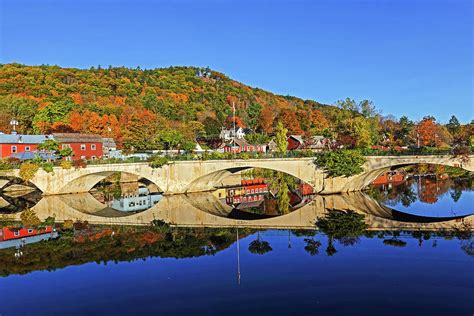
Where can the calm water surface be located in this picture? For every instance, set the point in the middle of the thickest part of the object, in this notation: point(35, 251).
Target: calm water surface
point(120, 270)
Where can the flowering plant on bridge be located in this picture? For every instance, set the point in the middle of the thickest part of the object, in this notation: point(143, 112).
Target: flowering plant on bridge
point(28, 170)
point(341, 162)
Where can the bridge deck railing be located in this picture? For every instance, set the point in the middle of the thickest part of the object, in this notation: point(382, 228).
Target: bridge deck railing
point(5, 165)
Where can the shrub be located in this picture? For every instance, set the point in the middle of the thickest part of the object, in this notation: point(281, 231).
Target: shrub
point(158, 161)
point(48, 167)
point(81, 163)
point(5, 165)
point(65, 164)
point(68, 224)
point(28, 170)
point(49, 221)
point(29, 218)
point(244, 156)
point(341, 162)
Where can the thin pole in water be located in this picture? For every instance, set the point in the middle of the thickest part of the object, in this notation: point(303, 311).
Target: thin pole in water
point(238, 258)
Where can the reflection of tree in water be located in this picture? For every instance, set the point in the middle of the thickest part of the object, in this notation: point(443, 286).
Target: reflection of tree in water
point(282, 195)
point(395, 241)
point(468, 247)
point(343, 226)
point(278, 182)
point(403, 193)
point(312, 246)
point(259, 246)
point(426, 189)
point(123, 243)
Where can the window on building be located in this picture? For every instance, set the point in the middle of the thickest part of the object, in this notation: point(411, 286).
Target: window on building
point(30, 231)
point(83, 146)
point(261, 190)
point(14, 149)
point(16, 233)
point(253, 191)
point(93, 157)
point(27, 148)
point(64, 146)
point(93, 147)
point(83, 157)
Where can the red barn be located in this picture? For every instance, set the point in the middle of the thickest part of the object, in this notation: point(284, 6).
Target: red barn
point(16, 143)
point(295, 142)
point(84, 146)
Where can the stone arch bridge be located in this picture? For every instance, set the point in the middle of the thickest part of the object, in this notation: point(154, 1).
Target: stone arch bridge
point(199, 176)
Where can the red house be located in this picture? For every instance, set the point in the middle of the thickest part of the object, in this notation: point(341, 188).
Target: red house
point(84, 146)
point(240, 145)
point(16, 143)
point(7, 233)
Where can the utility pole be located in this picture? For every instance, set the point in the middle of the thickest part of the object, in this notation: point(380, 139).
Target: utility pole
point(233, 135)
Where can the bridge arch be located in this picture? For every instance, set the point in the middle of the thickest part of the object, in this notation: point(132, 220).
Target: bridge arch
point(215, 178)
point(379, 165)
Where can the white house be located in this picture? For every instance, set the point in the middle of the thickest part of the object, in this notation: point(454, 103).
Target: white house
point(228, 134)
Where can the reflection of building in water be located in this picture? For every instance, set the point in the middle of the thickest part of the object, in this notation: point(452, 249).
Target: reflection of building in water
point(248, 191)
point(138, 200)
point(391, 177)
point(15, 237)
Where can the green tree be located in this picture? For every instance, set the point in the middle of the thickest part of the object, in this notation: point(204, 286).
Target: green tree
point(53, 112)
point(253, 111)
point(362, 132)
point(49, 145)
point(281, 139)
point(340, 162)
point(171, 138)
point(453, 125)
point(257, 138)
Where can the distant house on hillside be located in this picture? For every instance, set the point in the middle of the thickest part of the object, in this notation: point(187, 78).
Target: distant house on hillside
point(314, 143)
point(228, 134)
point(84, 146)
point(272, 146)
point(108, 145)
point(241, 145)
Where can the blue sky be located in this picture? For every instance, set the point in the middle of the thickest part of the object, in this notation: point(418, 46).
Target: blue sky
point(410, 57)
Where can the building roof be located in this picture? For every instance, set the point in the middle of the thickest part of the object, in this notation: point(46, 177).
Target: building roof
point(77, 138)
point(109, 142)
point(23, 139)
point(298, 138)
point(240, 142)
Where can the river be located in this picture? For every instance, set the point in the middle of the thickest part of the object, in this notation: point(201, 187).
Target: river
point(393, 250)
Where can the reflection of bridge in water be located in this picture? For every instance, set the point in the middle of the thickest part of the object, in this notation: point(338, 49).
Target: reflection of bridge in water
point(205, 210)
